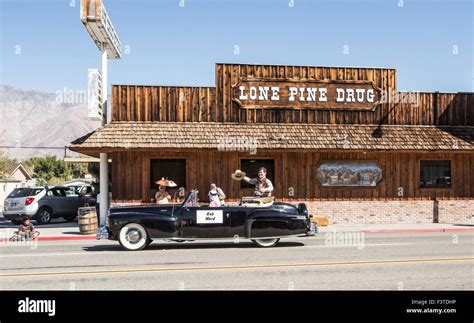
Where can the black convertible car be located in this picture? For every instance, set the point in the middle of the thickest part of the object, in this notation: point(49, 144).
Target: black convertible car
point(260, 219)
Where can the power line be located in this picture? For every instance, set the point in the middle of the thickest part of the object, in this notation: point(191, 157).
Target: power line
point(32, 147)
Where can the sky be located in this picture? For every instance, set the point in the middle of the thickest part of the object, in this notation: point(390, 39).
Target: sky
point(45, 47)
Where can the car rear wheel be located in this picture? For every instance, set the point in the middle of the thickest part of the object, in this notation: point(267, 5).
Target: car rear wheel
point(133, 236)
point(266, 243)
point(44, 215)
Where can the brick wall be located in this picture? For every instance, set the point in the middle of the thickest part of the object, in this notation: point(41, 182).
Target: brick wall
point(456, 211)
point(366, 212)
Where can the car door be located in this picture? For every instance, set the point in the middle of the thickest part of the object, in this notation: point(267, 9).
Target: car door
point(56, 198)
point(74, 201)
point(205, 222)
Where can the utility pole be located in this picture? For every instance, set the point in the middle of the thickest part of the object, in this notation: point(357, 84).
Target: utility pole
point(100, 28)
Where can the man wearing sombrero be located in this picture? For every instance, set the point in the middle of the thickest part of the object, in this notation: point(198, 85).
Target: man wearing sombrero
point(263, 186)
point(162, 196)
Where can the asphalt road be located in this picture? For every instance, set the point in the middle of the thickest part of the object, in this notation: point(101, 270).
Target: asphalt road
point(435, 261)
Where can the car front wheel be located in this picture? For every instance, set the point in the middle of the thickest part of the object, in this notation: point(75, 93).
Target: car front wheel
point(266, 243)
point(133, 236)
point(44, 215)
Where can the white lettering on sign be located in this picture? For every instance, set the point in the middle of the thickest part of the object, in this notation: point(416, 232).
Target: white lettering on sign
point(242, 96)
point(293, 91)
point(275, 93)
point(323, 94)
point(350, 95)
point(304, 94)
point(370, 95)
point(209, 216)
point(340, 95)
point(263, 92)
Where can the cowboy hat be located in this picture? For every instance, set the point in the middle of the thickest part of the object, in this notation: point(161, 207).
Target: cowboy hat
point(238, 175)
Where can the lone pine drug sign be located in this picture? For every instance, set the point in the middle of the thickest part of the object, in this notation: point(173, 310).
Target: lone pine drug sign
point(305, 94)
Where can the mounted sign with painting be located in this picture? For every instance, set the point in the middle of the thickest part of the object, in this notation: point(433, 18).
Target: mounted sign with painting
point(305, 94)
point(349, 174)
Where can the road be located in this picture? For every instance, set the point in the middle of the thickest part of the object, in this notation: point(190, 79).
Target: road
point(421, 261)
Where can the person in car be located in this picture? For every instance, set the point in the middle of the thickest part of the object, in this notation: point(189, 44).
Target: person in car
point(162, 196)
point(27, 229)
point(263, 186)
point(216, 196)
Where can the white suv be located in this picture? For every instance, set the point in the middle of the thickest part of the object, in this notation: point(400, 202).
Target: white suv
point(23, 201)
point(45, 203)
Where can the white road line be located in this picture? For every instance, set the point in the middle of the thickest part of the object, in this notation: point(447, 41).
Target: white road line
point(118, 252)
point(363, 245)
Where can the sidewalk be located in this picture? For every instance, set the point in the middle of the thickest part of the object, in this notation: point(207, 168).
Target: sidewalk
point(66, 231)
point(398, 228)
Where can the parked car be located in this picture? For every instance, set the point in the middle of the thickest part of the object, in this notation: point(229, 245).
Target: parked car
point(135, 226)
point(81, 190)
point(44, 203)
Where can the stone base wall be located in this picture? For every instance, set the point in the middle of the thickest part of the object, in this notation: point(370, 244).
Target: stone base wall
point(456, 211)
point(387, 212)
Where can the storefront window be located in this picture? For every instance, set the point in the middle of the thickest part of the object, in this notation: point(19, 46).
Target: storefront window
point(173, 169)
point(251, 166)
point(349, 174)
point(435, 173)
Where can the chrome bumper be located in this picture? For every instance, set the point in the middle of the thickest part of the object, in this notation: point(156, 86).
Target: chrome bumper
point(102, 233)
point(313, 229)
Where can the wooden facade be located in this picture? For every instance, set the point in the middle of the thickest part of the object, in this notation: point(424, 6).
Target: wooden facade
point(400, 177)
point(293, 169)
point(208, 104)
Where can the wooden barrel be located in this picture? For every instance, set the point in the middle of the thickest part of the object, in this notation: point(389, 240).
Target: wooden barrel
point(87, 219)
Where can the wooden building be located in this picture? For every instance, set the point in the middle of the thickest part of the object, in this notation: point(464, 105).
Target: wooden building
point(340, 138)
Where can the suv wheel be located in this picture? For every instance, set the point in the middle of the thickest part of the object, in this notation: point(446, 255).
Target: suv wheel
point(44, 215)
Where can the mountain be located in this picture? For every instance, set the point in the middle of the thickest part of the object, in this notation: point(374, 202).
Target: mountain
point(40, 119)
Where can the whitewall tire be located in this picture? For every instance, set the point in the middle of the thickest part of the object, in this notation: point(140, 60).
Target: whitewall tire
point(266, 243)
point(133, 236)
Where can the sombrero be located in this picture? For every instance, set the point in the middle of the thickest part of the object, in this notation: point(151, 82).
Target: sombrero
point(166, 182)
point(238, 175)
point(171, 183)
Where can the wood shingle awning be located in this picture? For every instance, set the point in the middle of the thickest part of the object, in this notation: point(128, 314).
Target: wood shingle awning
point(119, 136)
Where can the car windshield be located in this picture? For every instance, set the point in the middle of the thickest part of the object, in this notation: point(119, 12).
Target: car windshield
point(192, 199)
point(19, 192)
point(72, 191)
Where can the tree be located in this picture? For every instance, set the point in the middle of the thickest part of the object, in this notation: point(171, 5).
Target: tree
point(5, 162)
point(50, 169)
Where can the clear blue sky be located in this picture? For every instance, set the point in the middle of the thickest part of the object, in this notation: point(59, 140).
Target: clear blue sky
point(174, 45)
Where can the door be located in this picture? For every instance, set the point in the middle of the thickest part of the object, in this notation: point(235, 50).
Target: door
point(75, 200)
point(205, 222)
point(57, 199)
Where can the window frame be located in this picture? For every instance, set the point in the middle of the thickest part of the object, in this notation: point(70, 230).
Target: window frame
point(450, 187)
point(153, 186)
point(252, 176)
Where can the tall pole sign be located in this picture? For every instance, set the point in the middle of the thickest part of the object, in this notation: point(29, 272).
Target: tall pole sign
point(99, 26)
